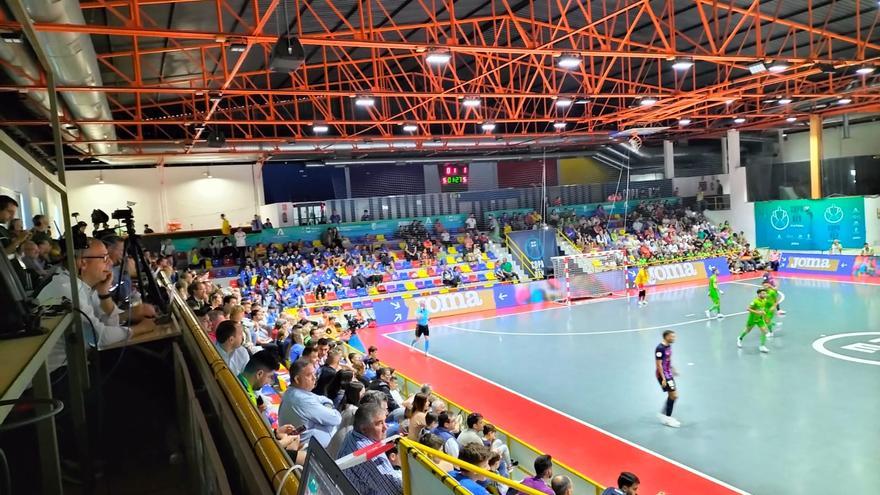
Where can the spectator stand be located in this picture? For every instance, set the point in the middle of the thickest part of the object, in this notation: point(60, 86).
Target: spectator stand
point(522, 260)
point(523, 452)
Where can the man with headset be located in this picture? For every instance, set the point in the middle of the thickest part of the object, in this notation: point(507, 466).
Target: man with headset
point(101, 324)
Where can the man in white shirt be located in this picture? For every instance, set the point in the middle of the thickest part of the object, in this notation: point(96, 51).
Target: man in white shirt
point(301, 407)
point(230, 337)
point(471, 222)
point(240, 242)
point(101, 325)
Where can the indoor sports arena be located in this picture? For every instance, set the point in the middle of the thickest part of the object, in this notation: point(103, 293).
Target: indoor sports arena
point(437, 247)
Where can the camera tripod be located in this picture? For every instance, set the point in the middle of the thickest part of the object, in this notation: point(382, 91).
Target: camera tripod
point(133, 248)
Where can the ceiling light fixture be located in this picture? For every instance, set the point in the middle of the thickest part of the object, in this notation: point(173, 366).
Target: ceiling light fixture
point(364, 101)
point(237, 47)
point(739, 120)
point(682, 63)
point(488, 126)
point(791, 120)
point(865, 70)
point(647, 101)
point(569, 61)
point(757, 68)
point(684, 122)
point(319, 128)
point(777, 67)
point(559, 125)
point(844, 101)
point(438, 57)
point(410, 127)
point(563, 102)
point(471, 101)
point(784, 101)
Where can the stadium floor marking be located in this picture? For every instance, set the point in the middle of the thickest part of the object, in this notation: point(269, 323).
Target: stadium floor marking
point(582, 422)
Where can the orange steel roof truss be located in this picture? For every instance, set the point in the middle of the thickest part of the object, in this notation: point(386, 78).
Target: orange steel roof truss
point(504, 53)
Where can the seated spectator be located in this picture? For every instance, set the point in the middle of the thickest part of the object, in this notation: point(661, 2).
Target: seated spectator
point(627, 484)
point(382, 383)
point(496, 445)
point(478, 455)
point(355, 396)
point(198, 296)
point(327, 373)
point(257, 373)
point(376, 476)
point(504, 271)
point(394, 384)
point(474, 431)
point(433, 441)
point(561, 485)
point(446, 431)
point(543, 473)
point(230, 338)
point(867, 250)
point(451, 276)
point(301, 407)
point(418, 416)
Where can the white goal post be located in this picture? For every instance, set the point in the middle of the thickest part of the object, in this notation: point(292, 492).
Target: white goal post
point(591, 274)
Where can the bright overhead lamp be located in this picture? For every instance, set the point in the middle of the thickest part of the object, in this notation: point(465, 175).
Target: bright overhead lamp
point(559, 125)
point(791, 120)
point(757, 68)
point(488, 126)
point(471, 101)
point(784, 101)
point(739, 120)
point(865, 70)
point(569, 61)
point(320, 128)
point(844, 101)
point(563, 102)
point(647, 101)
point(682, 63)
point(777, 67)
point(237, 47)
point(683, 122)
point(582, 101)
point(410, 127)
point(364, 101)
point(438, 57)
point(729, 102)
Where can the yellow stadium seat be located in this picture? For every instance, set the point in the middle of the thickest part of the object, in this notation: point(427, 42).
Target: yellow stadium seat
point(380, 237)
point(406, 295)
point(372, 291)
point(444, 291)
point(422, 273)
point(490, 265)
point(485, 257)
point(410, 285)
point(450, 259)
point(465, 268)
point(452, 250)
point(490, 275)
point(316, 243)
point(401, 245)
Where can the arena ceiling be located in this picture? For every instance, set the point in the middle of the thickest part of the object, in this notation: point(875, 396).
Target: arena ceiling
point(410, 78)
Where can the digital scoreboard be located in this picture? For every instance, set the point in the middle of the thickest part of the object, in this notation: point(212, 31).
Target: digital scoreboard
point(453, 177)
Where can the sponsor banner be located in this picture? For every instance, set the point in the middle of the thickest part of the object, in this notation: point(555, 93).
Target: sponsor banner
point(810, 224)
point(688, 271)
point(538, 245)
point(827, 264)
point(445, 304)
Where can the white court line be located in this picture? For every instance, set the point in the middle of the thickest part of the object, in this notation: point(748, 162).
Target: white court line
point(584, 423)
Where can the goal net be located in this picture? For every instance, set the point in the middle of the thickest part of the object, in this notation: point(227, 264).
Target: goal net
point(591, 274)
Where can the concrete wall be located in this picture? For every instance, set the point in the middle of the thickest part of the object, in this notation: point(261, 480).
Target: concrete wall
point(688, 186)
point(584, 170)
point(742, 213)
point(872, 220)
point(32, 195)
point(166, 194)
point(863, 141)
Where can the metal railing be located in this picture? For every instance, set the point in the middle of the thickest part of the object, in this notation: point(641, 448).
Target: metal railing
point(522, 259)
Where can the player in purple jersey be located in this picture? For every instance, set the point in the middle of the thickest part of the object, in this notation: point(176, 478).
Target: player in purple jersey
point(666, 377)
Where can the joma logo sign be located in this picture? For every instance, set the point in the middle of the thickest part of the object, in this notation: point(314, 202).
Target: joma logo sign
point(672, 272)
point(824, 264)
point(452, 302)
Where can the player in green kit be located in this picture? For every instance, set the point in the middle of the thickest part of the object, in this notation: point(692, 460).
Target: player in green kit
point(770, 307)
point(714, 295)
point(756, 319)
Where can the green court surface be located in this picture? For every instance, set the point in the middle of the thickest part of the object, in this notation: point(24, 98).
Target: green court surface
point(802, 419)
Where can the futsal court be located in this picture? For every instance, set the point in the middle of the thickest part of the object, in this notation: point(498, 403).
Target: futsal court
point(795, 420)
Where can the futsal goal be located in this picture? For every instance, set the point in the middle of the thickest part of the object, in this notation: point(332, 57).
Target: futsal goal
point(590, 275)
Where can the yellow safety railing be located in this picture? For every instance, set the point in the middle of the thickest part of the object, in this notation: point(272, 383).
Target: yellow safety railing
point(272, 458)
point(423, 453)
point(518, 447)
point(521, 258)
point(568, 241)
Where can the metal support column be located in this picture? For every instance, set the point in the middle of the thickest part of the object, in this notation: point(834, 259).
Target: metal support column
point(816, 153)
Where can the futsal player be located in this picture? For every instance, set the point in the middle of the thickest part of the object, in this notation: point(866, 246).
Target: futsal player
point(714, 295)
point(641, 281)
point(422, 327)
point(768, 278)
point(666, 377)
point(770, 306)
point(756, 319)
